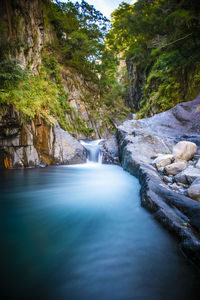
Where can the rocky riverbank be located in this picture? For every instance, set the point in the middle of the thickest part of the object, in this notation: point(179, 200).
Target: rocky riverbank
point(165, 189)
point(35, 143)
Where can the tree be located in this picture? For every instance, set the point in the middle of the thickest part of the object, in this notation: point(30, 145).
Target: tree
point(161, 38)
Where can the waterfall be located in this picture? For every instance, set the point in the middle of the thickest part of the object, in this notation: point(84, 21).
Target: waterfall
point(94, 150)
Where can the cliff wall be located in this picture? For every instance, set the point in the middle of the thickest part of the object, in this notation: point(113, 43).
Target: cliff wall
point(53, 91)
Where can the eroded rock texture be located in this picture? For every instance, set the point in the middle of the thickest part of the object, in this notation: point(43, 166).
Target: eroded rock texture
point(34, 143)
point(25, 30)
point(139, 142)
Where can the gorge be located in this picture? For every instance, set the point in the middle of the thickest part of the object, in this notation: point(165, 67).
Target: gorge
point(91, 116)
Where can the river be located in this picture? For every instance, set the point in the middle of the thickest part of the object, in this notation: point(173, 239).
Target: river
point(79, 232)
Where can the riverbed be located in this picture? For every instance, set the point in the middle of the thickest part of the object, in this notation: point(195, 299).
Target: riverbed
point(79, 232)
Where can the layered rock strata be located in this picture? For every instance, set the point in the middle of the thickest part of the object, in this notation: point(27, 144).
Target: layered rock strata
point(35, 143)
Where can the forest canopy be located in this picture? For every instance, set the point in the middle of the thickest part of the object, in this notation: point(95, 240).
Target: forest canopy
point(80, 30)
point(161, 39)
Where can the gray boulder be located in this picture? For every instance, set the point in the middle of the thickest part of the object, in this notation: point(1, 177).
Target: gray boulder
point(184, 150)
point(188, 175)
point(194, 190)
point(66, 149)
point(110, 152)
point(162, 160)
point(35, 143)
point(175, 168)
point(168, 179)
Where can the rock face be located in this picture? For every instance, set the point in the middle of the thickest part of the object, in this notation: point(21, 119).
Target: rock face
point(35, 143)
point(136, 78)
point(184, 150)
point(110, 153)
point(139, 141)
point(28, 36)
point(194, 190)
point(25, 27)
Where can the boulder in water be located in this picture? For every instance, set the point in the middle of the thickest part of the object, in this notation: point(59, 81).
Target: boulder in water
point(110, 153)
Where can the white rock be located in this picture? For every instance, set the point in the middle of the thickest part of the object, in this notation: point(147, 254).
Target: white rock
point(175, 168)
point(184, 150)
point(162, 161)
point(32, 156)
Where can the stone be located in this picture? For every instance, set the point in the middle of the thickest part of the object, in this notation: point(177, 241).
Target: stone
point(196, 181)
point(184, 150)
point(197, 164)
point(188, 175)
point(162, 161)
point(110, 152)
point(66, 149)
point(38, 143)
point(175, 168)
point(161, 170)
point(174, 187)
point(167, 179)
point(158, 134)
point(194, 190)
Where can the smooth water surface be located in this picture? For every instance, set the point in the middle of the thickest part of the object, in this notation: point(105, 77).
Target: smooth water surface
point(79, 232)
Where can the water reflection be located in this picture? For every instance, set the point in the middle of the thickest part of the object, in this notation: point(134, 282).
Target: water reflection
point(79, 232)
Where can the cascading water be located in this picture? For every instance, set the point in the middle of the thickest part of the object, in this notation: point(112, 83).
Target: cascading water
point(94, 150)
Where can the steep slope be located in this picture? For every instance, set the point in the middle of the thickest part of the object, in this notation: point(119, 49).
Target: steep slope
point(38, 84)
point(160, 43)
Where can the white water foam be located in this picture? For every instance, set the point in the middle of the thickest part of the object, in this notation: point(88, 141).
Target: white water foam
point(94, 150)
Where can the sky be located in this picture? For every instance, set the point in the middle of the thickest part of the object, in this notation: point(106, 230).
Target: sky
point(106, 7)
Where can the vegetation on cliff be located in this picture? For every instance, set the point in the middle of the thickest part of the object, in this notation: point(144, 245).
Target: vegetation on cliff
point(74, 43)
point(161, 39)
point(158, 39)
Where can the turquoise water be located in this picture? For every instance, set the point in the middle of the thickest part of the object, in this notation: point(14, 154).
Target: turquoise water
point(79, 232)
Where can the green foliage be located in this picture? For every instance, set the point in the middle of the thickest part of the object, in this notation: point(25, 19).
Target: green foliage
point(80, 30)
point(33, 94)
point(163, 39)
point(9, 47)
point(10, 74)
point(76, 43)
